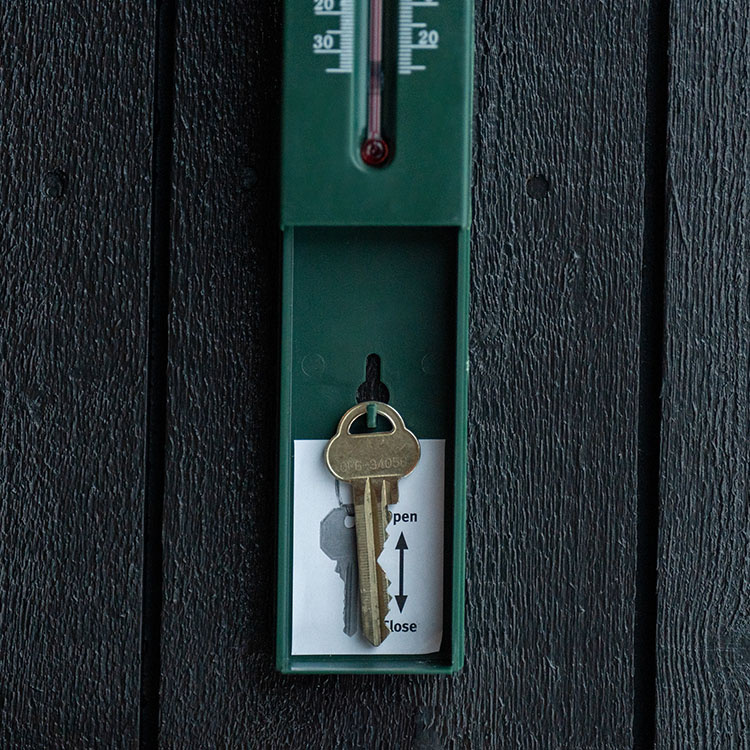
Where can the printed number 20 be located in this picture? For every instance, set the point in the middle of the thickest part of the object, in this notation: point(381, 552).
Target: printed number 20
point(428, 38)
point(323, 5)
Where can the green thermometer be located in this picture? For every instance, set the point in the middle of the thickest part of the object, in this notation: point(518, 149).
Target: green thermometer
point(375, 212)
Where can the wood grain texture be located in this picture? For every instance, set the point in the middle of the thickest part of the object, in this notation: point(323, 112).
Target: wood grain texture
point(703, 699)
point(76, 88)
point(556, 276)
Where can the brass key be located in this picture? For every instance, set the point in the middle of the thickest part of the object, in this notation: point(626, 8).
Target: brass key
point(372, 462)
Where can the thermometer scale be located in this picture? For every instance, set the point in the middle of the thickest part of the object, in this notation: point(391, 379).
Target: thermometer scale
point(334, 33)
point(375, 214)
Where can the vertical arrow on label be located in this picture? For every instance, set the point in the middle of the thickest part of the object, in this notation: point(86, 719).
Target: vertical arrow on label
point(401, 545)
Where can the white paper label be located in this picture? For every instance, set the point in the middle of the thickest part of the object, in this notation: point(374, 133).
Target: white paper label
point(415, 570)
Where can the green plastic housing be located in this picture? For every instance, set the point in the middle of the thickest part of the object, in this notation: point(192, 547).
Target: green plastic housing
point(376, 260)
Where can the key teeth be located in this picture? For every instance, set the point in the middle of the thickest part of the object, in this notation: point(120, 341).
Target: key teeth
point(389, 598)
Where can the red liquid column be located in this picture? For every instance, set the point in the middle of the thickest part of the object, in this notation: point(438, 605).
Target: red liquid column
point(374, 148)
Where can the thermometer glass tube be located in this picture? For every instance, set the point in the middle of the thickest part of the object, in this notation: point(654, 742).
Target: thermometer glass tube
point(375, 148)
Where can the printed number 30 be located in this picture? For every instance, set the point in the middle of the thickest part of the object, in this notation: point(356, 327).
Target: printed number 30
point(322, 41)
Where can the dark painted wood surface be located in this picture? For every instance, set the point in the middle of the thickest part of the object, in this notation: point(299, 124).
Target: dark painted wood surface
point(560, 111)
point(556, 278)
point(75, 143)
point(704, 563)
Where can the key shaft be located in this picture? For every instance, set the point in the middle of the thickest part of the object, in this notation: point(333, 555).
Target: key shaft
point(351, 599)
point(369, 520)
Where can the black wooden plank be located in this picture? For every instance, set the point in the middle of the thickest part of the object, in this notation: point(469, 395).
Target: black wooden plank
point(557, 254)
point(704, 565)
point(75, 140)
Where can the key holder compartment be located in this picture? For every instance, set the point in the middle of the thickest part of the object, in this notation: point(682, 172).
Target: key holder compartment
point(376, 261)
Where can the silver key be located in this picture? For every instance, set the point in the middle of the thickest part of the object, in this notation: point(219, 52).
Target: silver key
point(338, 541)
